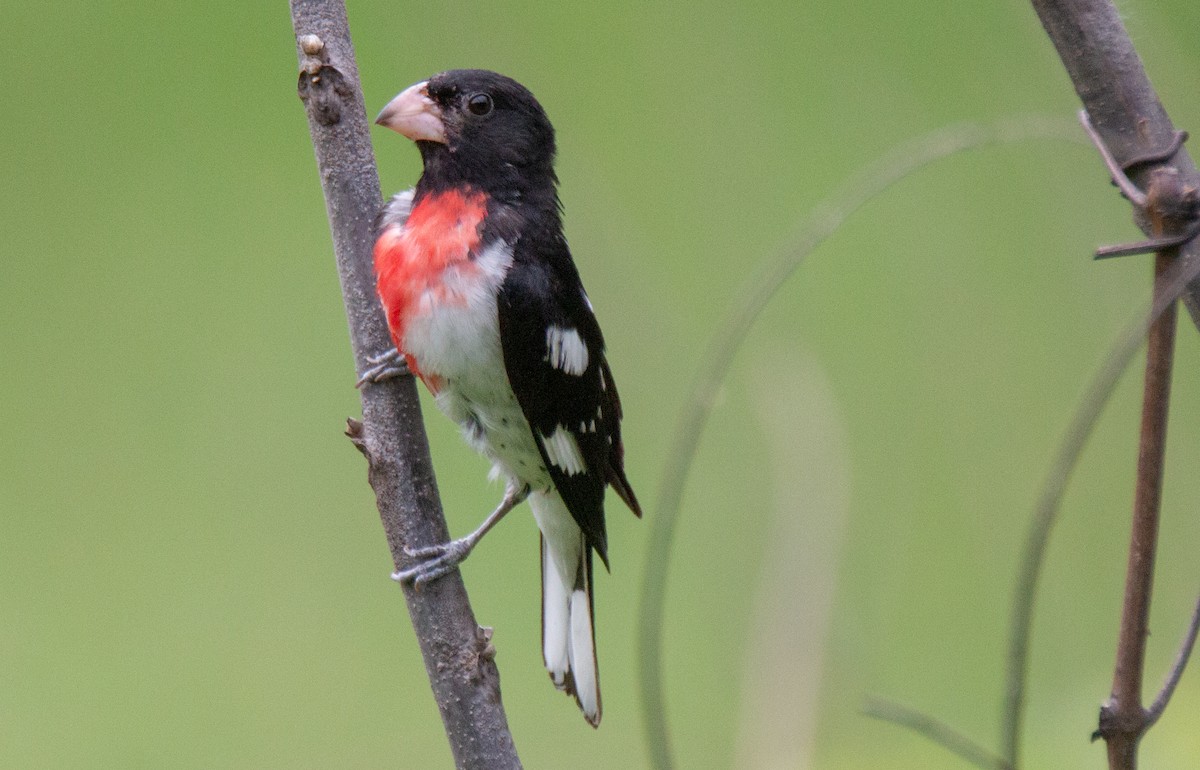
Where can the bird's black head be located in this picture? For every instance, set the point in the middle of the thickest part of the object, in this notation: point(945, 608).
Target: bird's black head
point(479, 128)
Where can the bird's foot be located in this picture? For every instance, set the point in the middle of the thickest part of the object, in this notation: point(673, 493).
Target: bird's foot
point(384, 366)
point(434, 561)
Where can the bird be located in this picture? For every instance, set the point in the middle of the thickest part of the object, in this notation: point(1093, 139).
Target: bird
point(486, 307)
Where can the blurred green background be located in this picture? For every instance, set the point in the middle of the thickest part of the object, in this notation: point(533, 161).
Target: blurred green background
point(192, 571)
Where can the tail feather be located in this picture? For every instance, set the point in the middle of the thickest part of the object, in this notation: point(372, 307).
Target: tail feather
point(556, 613)
point(620, 485)
point(568, 631)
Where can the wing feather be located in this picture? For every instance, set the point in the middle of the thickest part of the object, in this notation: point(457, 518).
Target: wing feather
point(554, 357)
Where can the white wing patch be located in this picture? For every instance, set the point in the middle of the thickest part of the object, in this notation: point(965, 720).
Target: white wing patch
point(563, 451)
point(566, 350)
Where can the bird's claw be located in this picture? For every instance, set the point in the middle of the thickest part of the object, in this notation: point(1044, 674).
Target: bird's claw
point(433, 561)
point(385, 366)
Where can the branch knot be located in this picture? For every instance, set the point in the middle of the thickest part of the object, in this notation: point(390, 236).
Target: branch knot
point(321, 86)
point(1117, 721)
point(1168, 208)
point(357, 435)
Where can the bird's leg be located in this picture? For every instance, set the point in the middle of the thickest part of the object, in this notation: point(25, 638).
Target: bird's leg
point(385, 366)
point(437, 560)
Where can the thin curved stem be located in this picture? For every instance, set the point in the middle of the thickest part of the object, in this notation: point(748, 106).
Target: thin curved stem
point(1173, 676)
point(730, 335)
point(935, 730)
point(1098, 393)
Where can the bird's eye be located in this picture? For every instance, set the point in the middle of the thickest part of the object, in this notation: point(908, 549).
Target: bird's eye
point(479, 104)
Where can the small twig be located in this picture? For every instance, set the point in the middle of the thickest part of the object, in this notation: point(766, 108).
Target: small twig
point(731, 333)
point(1153, 157)
point(939, 732)
point(1173, 203)
point(1148, 246)
point(1167, 205)
point(1115, 170)
point(1123, 721)
point(1181, 658)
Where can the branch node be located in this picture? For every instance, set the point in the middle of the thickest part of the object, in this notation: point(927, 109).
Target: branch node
point(321, 85)
point(357, 435)
point(1115, 721)
point(487, 651)
point(311, 45)
point(1169, 205)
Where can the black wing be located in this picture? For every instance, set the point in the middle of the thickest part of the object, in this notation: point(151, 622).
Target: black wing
point(544, 318)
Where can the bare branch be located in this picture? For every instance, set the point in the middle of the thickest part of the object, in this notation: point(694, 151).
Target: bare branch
point(1123, 721)
point(457, 653)
point(939, 732)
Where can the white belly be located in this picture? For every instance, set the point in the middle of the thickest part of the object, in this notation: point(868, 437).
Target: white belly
point(492, 422)
point(455, 337)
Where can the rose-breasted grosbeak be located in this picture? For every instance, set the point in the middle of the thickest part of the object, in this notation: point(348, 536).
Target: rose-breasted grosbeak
point(486, 308)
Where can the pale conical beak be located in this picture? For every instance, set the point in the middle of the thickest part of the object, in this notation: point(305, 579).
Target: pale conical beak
point(414, 115)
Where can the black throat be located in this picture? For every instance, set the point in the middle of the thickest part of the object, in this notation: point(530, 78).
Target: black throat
point(533, 187)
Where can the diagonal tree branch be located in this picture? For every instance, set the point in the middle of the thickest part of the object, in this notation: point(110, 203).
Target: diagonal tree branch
point(1124, 108)
point(458, 654)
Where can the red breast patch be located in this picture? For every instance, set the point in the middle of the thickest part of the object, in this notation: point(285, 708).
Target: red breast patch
point(411, 262)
